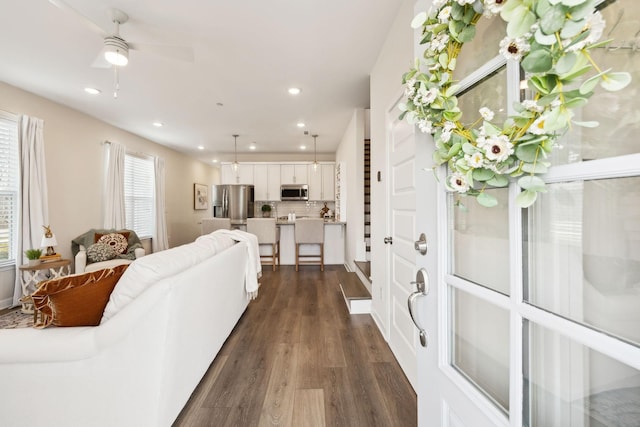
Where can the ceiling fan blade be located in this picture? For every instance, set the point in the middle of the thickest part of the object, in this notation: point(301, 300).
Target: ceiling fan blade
point(180, 53)
point(100, 61)
point(86, 21)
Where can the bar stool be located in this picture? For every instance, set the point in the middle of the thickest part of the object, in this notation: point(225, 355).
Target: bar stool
point(209, 225)
point(268, 234)
point(309, 231)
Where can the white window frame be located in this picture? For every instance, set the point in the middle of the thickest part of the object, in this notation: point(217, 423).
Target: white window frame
point(139, 191)
point(10, 184)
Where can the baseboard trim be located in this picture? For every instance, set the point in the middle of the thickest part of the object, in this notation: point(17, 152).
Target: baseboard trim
point(6, 303)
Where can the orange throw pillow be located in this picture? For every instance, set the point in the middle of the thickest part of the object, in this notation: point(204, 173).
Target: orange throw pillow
point(76, 300)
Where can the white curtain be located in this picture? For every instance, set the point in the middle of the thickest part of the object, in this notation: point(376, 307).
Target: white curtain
point(160, 241)
point(113, 201)
point(34, 211)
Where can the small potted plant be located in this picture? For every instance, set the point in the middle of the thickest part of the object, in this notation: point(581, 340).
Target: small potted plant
point(33, 255)
point(266, 211)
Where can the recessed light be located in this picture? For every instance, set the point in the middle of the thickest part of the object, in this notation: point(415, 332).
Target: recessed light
point(252, 146)
point(92, 90)
point(294, 90)
point(200, 147)
point(214, 161)
point(300, 125)
point(303, 147)
point(158, 124)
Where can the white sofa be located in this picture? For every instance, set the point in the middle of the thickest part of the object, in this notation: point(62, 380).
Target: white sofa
point(140, 366)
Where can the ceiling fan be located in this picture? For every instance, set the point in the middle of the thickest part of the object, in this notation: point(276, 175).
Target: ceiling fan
point(116, 49)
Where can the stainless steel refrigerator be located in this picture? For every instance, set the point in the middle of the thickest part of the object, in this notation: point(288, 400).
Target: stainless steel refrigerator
point(233, 201)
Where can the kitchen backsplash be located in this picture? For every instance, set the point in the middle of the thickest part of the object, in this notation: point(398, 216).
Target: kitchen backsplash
point(301, 209)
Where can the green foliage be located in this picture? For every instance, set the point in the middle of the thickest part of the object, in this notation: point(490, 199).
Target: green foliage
point(552, 39)
point(33, 253)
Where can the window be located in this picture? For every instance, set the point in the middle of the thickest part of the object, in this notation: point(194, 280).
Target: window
point(139, 194)
point(9, 186)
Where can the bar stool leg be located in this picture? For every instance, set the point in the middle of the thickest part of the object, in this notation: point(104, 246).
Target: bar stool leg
point(297, 254)
point(321, 256)
point(273, 256)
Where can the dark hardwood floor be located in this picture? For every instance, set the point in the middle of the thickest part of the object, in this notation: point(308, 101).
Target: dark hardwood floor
point(297, 358)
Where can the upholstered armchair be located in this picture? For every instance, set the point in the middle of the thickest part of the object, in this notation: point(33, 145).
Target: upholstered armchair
point(100, 248)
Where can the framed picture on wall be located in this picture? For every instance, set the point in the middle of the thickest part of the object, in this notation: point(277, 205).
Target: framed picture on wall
point(200, 196)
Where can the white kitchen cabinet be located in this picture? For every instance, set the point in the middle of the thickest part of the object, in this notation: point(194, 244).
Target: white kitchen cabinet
point(266, 180)
point(244, 174)
point(321, 182)
point(294, 174)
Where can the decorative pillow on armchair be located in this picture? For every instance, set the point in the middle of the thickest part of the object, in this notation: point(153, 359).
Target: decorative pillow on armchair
point(118, 241)
point(101, 252)
point(76, 300)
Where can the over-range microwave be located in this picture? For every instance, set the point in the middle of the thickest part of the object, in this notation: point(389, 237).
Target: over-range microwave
point(294, 192)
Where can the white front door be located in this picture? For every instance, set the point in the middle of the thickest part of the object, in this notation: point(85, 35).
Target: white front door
point(531, 316)
point(402, 219)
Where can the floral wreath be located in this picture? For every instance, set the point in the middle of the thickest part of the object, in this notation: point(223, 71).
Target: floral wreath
point(552, 40)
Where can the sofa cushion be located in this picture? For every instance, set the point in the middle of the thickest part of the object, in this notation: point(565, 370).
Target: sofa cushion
point(118, 241)
point(99, 252)
point(76, 300)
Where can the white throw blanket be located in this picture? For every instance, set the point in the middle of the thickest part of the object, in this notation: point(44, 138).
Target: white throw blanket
point(254, 267)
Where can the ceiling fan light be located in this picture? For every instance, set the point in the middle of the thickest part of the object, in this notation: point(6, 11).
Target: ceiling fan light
point(116, 51)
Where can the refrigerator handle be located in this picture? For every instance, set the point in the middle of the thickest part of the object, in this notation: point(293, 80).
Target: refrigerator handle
point(225, 202)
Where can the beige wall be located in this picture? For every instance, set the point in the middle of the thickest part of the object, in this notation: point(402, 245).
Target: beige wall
point(396, 56)
point(74, 156)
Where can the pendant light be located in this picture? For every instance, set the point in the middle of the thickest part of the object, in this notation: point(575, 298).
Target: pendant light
point(235, 149)
point(315, 160)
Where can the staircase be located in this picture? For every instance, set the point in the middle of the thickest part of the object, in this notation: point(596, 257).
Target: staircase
point(367, 197)
point(356, 295)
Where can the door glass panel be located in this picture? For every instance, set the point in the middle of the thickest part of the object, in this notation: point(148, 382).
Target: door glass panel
point(584, 254)
point(570, 385)
point(484, 46)
point(479, 240)
point(491, 92)
point(617, 112)
point(480, 341)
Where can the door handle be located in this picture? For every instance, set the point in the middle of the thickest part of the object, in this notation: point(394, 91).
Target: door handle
point(422, 283)
point(420, 245)
point(388, 240)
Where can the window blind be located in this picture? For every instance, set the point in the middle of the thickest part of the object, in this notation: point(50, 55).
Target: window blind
point(9, 188)
point(139, 194)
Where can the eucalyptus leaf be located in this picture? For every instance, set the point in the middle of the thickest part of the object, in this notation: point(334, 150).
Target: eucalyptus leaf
point(451, 90)
point(510, 8)
point(443, 59)
point(554, 19)
point(583, 10)
point(576, 103)
point(615, 81)
point(419, 20)
point(566, 63)
point(467, 34)
point(572, 28)
point(491, 129)
point(527, 153)
point(521, 22)
point(455, 149)
point(575, 73)
point(572, 3)
point(588, 124)
point(589, 84)
point(538, 168)
point(457, 11)
point(487, 200)
point(526, 198)
point(542, 7)
point(482, 174)
point(468, 148)
point(543, 39)
point(557, 119)
point(531, 182)
point(539, 61)
point(468, 15)
point(539, 85)
point(499, 181)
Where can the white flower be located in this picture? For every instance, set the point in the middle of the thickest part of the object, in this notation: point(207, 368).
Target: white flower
point(537, 127)
point(425, 126)
point(463, 2)
point(449, 126)
point(481, 141)
point(475, 160)
point(445, 136)
point(486, 114)
point(532, 105)
point(444, 14)
point(492, 7)
point(410, 88)
point(458, 182)
point(498, 148)
point(426, 96)
point(440, 42)
point(514, 48)
point(595, 25)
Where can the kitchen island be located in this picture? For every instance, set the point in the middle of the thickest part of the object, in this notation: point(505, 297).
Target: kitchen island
point(334, 240)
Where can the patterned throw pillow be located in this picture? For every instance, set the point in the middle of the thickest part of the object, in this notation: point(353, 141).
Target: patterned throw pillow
point(101, 252)
point(116, 240)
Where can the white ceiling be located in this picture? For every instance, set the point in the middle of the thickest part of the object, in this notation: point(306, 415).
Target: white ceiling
point(247, 54)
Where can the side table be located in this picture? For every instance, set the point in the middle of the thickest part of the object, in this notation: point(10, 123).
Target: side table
point(31, 275)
